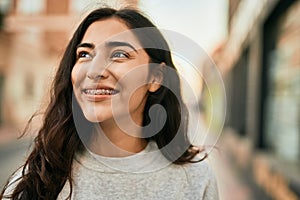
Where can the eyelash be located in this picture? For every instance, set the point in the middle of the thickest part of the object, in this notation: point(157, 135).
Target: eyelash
point(83, 54)
point(119, 52)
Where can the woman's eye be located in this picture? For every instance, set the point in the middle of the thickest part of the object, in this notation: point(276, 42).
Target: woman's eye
point(119, 54)
point(84, 54)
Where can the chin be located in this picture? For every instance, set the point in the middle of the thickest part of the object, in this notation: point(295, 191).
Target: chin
point(94, 118)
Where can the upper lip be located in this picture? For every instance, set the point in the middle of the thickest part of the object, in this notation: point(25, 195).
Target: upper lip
point(99, 86)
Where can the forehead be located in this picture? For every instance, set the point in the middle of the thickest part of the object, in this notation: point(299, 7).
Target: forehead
point(110, 29)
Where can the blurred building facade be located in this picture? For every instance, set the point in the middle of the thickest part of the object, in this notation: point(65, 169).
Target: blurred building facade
point(33, 35)
point(260, 62)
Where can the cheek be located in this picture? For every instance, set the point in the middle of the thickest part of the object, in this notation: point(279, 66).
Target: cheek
point(138, 96)
point(76, 75)
point(133, 78)
point(135, 86)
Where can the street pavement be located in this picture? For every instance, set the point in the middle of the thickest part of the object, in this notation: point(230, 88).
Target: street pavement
point(12, 156)
point(231, 186)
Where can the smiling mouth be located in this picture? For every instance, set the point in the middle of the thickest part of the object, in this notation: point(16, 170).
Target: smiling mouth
point(100, 91)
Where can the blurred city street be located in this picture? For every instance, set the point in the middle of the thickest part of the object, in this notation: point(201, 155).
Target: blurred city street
point(245, 81)
point(232, 184)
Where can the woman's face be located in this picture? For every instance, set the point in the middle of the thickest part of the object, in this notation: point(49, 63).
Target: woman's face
point(110, 77)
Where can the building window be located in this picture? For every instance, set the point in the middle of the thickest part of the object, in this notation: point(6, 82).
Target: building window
point(238, 94)
point(281, 121)
point(1, 97)
point(4, 9)
point(29, 7)
point(29, 86)
point(79, 6)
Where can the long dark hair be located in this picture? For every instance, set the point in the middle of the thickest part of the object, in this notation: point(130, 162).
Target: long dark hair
point(49, 165)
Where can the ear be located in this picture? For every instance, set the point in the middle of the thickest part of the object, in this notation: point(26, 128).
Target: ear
point(157, 77)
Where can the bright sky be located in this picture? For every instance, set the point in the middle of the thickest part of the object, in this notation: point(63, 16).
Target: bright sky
point(203, 21)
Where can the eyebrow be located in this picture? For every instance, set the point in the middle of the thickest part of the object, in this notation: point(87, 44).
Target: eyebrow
point(119, 43)
point(108, 44)
point(85, 44)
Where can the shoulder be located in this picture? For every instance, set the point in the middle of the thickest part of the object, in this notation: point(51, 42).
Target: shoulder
point(201, 178)
point(198, 171)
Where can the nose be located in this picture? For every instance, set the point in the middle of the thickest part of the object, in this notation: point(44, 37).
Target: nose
point(97, 69)
point(96, 75)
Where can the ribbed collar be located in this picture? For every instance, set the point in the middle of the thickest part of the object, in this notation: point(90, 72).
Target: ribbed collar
point(148, 160)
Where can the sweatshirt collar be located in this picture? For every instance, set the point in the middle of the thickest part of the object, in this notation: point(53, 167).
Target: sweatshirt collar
point(148, 160)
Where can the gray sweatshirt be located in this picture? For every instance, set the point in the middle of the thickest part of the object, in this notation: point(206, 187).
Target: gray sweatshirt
point(146, 175)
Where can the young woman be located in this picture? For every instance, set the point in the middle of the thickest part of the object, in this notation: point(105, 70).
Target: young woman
point(116, 125)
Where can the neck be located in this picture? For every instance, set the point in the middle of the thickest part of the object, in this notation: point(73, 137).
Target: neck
point(111, 141)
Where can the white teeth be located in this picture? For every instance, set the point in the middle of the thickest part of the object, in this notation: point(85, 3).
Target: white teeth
point(100, 91)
